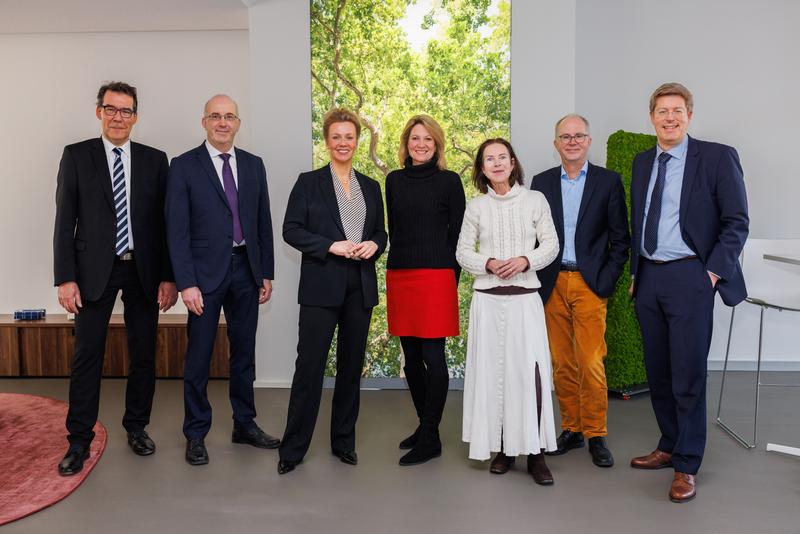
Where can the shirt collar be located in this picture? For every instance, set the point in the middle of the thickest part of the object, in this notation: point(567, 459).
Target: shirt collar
point(678, 151)
point(581, 175)
point(109, 146)
point(213, 152)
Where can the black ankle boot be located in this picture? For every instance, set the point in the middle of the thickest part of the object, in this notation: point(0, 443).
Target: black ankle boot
point(428, 446)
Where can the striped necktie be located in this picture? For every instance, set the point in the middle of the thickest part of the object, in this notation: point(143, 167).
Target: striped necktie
point(654, 211)
point(120, 203)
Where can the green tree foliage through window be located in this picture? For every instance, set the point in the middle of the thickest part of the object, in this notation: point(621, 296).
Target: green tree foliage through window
point(362, 58)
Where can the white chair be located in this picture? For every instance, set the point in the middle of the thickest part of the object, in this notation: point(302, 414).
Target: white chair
point(772, 284)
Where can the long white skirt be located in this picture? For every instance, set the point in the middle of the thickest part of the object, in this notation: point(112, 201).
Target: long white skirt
point(507, 337)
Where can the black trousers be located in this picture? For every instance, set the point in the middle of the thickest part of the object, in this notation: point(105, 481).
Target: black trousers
point(238, 296)
point(675, 307)
point(91, 326)
point(317, 325)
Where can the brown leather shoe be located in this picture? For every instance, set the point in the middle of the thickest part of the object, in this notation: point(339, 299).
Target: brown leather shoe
point(683, 488)
point(655, 460)
point(501, 464)
point(539, 471)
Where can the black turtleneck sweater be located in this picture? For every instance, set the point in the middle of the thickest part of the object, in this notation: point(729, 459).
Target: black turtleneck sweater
point(425, 207)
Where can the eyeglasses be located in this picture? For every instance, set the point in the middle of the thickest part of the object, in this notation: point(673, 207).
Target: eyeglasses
point(663, 113)
point(578, 138)
point(111, 111)
point(216, 117)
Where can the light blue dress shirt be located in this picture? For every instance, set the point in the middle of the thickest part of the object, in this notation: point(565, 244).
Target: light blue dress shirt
point(571, 194)
point(671, 245)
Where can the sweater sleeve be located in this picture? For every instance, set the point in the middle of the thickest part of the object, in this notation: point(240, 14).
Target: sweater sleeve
point(471, 260)
point(544, 254)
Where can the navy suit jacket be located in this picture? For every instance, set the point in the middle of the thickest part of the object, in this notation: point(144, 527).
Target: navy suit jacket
point(713, 211)
point(85, 234)
point(601, 236)
point(312, 224)
point(200, 222)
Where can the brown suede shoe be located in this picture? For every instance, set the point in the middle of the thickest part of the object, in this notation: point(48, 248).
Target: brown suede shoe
point(539, 471)
point(501, 464)
point(683, 488)
point(655, 460)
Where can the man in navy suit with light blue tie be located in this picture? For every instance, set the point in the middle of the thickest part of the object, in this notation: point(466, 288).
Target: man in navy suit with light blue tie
point(219, 233)
point(690, 222)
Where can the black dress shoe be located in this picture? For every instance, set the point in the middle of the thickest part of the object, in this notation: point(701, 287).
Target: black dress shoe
point(256, 437)
point(73, 460)
point(347, 457)
point(601, 456)
point(196, 453)
point(566, 441)
point(140, 443)
point(410, 441)
point(285, 466)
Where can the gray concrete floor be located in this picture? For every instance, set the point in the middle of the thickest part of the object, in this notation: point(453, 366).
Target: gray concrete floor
point(739, 491)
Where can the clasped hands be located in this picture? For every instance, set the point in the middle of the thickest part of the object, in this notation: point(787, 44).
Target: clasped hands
point(506, 269)
point(347, 249)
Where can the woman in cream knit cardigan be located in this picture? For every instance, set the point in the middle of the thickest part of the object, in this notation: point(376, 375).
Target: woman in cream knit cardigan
point(507, 403)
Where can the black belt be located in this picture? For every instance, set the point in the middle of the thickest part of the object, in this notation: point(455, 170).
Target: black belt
point(664, 262)
point(241, 249)
point(569, 266)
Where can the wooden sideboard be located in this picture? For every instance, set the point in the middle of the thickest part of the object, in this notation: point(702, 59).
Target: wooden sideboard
point(45, 347)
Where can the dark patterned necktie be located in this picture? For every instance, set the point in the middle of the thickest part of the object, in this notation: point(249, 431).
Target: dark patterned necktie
point(120, 203)
point(233, 196)
point(654, 212)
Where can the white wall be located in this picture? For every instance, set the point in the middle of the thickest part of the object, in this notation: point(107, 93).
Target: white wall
point(50, 81)
point(738, 57)
point(280, 59)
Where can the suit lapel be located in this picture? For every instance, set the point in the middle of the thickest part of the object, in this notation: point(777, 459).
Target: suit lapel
point(103, 175)
point(326, 185)
point(211, 173)
point(641, 193)
point(689, 175)
point(137, 172)
point(368, 202)
point(557, 205)
point(244, 180)
point(588, 189)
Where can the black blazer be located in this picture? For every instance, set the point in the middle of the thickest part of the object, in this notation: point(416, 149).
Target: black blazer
point(312, 223)
point(85, 233)
point(713, 211)
point(200, 222)
point(601, 236)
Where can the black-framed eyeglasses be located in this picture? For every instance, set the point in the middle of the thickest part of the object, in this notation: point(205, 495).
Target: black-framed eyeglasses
point(578, 138)
point(110, 111)
point(228, 117)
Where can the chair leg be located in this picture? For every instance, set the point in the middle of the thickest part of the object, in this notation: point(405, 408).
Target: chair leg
point(758, 373)
point(739, 439)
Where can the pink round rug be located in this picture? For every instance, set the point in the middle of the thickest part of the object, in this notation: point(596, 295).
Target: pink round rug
point(32, 442)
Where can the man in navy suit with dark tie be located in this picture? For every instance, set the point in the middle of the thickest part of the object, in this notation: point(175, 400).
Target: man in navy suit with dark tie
point(690, 222)
point(219, 233)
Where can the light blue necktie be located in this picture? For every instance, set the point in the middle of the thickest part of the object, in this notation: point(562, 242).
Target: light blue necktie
point(120, 203)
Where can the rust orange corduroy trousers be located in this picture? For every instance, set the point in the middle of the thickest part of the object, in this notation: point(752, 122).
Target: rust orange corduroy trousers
point(576, 327)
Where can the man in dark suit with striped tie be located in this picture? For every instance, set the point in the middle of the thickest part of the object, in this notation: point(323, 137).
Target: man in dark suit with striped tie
point(689, 220)
point(109, 237)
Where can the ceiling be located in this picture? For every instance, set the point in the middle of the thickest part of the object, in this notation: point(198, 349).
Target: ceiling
point(57, 16)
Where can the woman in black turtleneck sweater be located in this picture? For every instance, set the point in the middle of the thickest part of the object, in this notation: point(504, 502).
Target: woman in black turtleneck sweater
point(425, 207)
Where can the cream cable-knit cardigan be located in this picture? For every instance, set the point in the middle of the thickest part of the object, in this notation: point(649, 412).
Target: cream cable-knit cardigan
point(503, 227)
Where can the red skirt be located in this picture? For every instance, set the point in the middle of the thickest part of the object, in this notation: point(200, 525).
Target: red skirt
point(422, 302)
